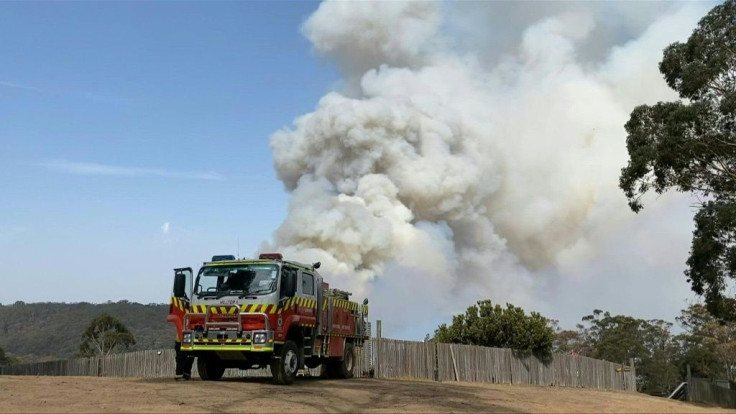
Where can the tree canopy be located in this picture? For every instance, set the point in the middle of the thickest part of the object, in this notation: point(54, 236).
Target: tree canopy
point(690, 146)
point(4, 360)
point(709, 344)
point(104, 335)
point(649, 343)
point(510, 327)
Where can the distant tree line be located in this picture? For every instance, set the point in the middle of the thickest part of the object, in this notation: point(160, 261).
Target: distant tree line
point(104, 335)
point(33, 332)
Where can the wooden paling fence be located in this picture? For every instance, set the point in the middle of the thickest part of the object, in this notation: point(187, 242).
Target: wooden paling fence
point(503, 366)
point(383, 358)
point(704, 391)
point(406, 359)
point(453, 362)
point(130, 364)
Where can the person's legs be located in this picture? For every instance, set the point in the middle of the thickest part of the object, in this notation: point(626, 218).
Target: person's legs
point(187, 368)
point(181, 362)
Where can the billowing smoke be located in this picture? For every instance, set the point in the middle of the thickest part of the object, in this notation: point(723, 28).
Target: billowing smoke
point(450, 175)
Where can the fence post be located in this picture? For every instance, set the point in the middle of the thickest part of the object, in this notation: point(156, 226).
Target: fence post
point(633, 373)
point(454, 364)
point(378, 348)
point(689, 384)
point(436, 361)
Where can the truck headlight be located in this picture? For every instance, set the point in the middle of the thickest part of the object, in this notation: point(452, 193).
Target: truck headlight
point(187, 338)
point(259, 338)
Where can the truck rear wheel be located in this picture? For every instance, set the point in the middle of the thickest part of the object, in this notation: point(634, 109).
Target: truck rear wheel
point(210, 369)
point(344, 368)
point(285, 367)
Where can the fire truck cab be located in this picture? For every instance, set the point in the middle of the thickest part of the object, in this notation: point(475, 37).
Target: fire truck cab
point(266, 312)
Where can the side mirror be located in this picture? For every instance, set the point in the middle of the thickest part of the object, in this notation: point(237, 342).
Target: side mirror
point(180, 284)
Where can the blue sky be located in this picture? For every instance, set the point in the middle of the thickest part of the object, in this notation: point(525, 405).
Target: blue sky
point(116, 118)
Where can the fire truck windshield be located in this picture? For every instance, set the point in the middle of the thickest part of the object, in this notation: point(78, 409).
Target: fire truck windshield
point(256, 279)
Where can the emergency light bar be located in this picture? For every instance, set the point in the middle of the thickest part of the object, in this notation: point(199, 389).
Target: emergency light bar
point(271, 256)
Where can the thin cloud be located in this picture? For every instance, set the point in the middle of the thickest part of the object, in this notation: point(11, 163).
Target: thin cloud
point(67, 93)
point(20, 86)
point(165, 228)
point(88, 168)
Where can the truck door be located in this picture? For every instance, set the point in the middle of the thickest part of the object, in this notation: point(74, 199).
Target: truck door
point(308, 296)
point(181, 294)
point(308, 310)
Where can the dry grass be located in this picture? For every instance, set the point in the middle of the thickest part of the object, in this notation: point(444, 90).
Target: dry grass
point(89, 394)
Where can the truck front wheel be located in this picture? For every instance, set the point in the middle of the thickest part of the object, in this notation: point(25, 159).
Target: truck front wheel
point(210, 369)
point(285, 366)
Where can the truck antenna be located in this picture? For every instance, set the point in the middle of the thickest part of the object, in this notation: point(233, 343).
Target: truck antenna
point(238, 247)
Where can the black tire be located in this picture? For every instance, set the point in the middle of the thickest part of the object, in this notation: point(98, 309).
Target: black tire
point(345, 367)
point(285, 366)
point(210, 369)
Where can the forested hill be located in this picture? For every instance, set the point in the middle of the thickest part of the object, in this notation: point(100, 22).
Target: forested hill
point(42, 331)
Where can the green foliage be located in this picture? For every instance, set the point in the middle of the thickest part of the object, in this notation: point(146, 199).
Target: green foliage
point(616, 338)
point(104, 335)
point(495, 326)
point(567, 342)
point(710, 344)
point(691, 147)
point(4, 359)
point(713, 256)
point(573, 342)
point(649, 343)
point(46, 331)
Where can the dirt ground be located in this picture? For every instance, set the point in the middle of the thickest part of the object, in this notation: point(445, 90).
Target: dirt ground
point(89, 394)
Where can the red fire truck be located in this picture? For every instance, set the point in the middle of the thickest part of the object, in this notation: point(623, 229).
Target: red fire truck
point(266, 312)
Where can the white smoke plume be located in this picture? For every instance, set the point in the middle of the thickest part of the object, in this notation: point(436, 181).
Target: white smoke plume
point(435, 172)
